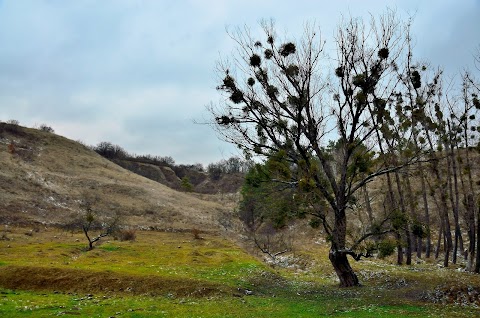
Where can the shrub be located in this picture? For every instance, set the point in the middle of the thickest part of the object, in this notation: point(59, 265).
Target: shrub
point(110, 151)
point(127, 235)
point(11, 148)
point(13, 122)
point(196, 234)
point(386, 248)
point(12, 126)
point(186, 185)
point(46, 128)
point(215, 171)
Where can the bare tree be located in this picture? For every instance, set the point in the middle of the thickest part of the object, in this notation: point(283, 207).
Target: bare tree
point(96, 225)
point(281, 98)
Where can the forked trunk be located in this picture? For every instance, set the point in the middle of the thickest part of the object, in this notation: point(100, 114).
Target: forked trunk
point(342, 267)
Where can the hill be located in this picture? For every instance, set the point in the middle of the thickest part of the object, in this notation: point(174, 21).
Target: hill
point(171, 176)
point(45, 178)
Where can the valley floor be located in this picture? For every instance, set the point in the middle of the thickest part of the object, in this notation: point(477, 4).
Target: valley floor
point(48, 272)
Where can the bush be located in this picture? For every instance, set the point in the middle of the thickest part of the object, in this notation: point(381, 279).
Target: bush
point(127, 235)
point(13, 122)
point(110, 151)
point(386, 248)
point(46, 128)
point(215, 171)
point(12, 126)
point(186, 185)
point(11, 148)
point(196, 234)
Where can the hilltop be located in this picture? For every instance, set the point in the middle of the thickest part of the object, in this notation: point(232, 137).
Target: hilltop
point(44, 178)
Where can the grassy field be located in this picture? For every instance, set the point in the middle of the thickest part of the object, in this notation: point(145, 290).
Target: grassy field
point(49, 273)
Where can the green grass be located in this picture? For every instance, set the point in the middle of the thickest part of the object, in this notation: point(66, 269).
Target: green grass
point(161, 254)
point(389, 291)
point(34, 304)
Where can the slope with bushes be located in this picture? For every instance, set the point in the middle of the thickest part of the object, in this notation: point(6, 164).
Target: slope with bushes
point(225, 176)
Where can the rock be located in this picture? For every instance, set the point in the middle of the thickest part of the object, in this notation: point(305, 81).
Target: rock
point(245, 291)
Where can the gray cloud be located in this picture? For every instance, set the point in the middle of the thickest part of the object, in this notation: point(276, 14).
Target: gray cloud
point(137, 73)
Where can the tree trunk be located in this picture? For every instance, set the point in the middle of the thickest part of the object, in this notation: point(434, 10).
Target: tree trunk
point(477, 264)
point(447, 229)
point(413, 214)
point(443, 208)
point(342, 267)
point(451, 181)
point(457, 197)
point(338, 251)
point(90, 242)
point(439, 241)
point(444, 218)
point(403, 210)
point(368, 206)
point(470, 216)
point(426, 211)
point(419, 247)
point(399, 249)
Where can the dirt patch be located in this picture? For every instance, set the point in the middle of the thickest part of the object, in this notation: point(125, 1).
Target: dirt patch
point(80, 281)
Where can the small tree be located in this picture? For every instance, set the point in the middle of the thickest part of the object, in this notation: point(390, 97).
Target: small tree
point(90, 225)
point(93, 222)
point(186, 184)
point(266, 207)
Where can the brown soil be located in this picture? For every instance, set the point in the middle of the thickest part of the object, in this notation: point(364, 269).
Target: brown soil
point(91, 282)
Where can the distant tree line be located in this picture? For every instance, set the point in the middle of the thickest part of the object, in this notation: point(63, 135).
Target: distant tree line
point(215, 170)
point(228, 166)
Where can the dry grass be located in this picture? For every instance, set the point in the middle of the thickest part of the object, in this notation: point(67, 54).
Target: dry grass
point(48, 175)
point(126, 235)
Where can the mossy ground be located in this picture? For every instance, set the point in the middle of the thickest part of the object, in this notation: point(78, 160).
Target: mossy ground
point(49, 273)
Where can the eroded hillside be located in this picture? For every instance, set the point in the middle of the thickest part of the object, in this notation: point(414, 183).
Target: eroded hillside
point(44, 178)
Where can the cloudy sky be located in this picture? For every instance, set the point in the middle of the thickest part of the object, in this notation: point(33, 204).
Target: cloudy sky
point(138, 73)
